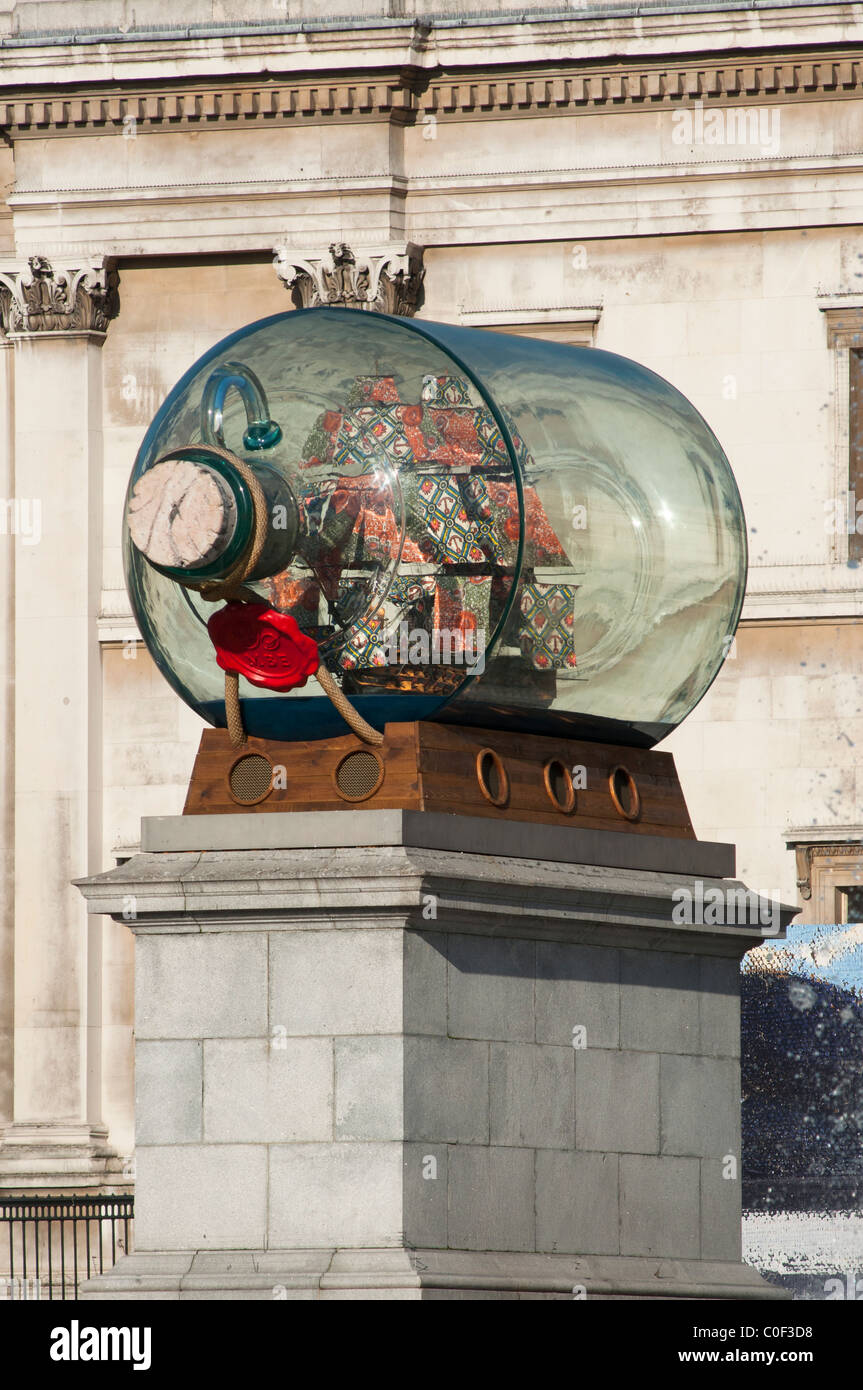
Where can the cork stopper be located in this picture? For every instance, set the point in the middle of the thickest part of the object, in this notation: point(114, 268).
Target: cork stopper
point(182, 514)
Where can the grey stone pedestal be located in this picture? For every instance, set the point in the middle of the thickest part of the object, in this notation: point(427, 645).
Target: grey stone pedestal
point(374, 1061)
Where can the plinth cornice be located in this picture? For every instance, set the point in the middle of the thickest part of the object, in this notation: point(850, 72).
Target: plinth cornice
point(411, 887)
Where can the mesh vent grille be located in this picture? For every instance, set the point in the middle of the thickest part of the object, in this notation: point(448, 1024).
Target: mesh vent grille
point(250, 778)
point(358, 775)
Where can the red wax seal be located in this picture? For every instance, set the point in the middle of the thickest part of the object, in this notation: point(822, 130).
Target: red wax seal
point(266, 647)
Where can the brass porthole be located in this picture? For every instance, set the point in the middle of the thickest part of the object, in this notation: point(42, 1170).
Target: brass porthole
point(558, 785)
point(358, 775)
point(624, 793)
point(492, 777)
point(250, 779)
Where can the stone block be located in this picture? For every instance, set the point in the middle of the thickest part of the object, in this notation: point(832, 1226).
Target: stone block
point(720, 1210)
point(424, 1189)
point(490, 985)
point(446, 1095)
point(168, 1092)
point(577, 1210)
point(491, 1198)
point(200, 1196)
point(329, 982)
point(617, 1101)
point(700, 1106)
point(425, 971)
point(370, 1075)
point(577, 986)
point(659, 1001)
point(532, 1095)
point(201, 985)
point(335, 1195)
point(268, 1090)
point(719, 1007)
point(660, 1206)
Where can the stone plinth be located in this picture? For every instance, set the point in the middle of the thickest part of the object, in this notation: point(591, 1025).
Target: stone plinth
point(404, 1070)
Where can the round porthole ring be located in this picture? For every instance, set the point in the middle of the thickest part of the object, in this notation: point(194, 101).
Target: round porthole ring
point(635, 796)
point(365, 795)
point(502, 776)
point(256, 801)
point(567, 808)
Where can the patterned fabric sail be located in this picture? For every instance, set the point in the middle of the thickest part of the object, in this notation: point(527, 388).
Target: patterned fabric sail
point(463, 525)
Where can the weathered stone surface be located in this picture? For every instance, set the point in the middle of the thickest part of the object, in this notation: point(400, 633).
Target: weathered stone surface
point(532, 1089)
point(425, 975)
point(577, 987)
point(659, 1001)
point(491, 1201)
point(420, 1273)
point(268, 1090)
point(490, 988)
point(720, 1203)
point(577, 1203)
point(201, 985)
point(169, 1114)
point(330, 982)
point(700, 1107)
point(447, 833)
point(370, 1088)
point(659, 1206)
point(446, 1094)
point(719, 1008)
point(425, 1193)
point(617, 1101)
point(198, 1196)
point(329, 1194)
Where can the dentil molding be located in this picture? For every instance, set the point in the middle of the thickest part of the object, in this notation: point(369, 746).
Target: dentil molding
point(409, 94)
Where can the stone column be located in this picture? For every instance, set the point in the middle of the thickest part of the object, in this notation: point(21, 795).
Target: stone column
point(56, 318)
point(411, 1056)
point(7, 727)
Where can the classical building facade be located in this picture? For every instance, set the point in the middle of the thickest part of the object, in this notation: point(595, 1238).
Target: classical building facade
point(681, 185)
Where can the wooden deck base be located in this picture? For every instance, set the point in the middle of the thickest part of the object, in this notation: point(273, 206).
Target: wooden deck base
point(446, 768)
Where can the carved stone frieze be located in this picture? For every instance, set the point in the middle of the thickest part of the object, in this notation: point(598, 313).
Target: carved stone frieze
point(386, 279)
point(44, 297)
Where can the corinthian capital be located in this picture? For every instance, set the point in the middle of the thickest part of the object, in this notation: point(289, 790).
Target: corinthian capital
point(387, 279)
point(44, 297)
